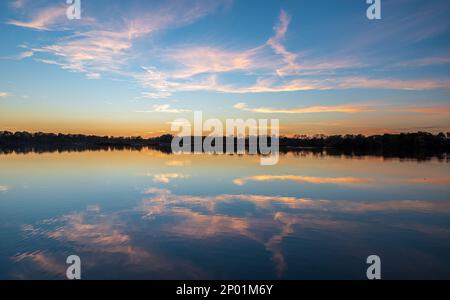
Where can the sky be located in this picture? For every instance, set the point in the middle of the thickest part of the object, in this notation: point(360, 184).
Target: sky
point(133, 67)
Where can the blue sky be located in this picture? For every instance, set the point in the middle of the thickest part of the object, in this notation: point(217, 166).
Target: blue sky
point(132, 67)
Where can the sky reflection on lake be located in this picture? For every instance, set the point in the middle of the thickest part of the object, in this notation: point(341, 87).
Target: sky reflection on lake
point(149, 215)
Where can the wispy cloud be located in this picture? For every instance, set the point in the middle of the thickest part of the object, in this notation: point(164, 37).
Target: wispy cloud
point(25, 54)
point(3, 94)
point(388, 83)
point(164, 108)
point(380, 107)
point(340, 83)
point(268, 62)
point(93, 75)
point(90, 52)
point(3, 188)
point(204, 59)
point(425, 62)
point(94, 50)
point(156, 82)
point(428, 110)
point(304, 110)
point(276, 43)
point(43, 19)
point(165, 86)
point(112, 46)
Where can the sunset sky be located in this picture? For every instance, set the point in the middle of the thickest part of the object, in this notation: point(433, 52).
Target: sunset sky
point(133, 67)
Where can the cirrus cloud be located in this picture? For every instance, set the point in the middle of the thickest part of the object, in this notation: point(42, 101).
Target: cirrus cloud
point(164, 108)
point(43, 19)
point(304, 110)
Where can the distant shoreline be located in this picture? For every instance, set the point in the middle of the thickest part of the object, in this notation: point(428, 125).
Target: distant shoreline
point(412, 145)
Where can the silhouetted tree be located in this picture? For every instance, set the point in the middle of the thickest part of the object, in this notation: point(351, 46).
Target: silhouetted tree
point(409, 144)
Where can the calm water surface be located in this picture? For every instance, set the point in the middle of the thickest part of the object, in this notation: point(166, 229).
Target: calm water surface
point(149, 215)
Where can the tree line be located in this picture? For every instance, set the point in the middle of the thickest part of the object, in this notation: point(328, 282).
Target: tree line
point(417, 142)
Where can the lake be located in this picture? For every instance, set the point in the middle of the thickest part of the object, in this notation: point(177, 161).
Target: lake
point(153, 215)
